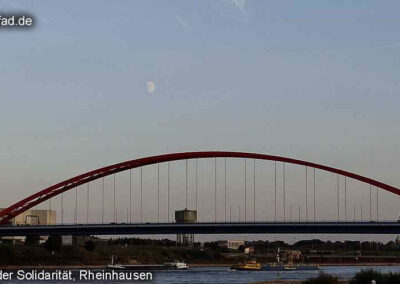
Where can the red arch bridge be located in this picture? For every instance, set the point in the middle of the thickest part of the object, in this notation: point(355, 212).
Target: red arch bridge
point(259, 194)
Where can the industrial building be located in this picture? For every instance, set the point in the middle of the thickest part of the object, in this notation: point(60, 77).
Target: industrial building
point(185, 216)
point(34, 217)
point(31, 217)
point(231, 244)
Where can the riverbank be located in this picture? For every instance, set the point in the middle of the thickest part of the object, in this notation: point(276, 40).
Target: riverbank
point(194, 265)
point(358, 264)
point(280, 282)
point(210, 274)
point(292, 282)
point(319, 264)
point(97, 253)
point(15, 267)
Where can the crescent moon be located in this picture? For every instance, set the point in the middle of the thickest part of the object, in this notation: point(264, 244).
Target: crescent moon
point(150, 87)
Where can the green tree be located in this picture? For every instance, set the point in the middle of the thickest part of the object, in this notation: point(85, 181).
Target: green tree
point(53, 243)
point(90, 245)
point(32, 240)
point(365, 276)
point(7, 254)
point(322, 279)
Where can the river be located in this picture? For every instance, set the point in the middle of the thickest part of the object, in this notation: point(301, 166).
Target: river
point(225, 275)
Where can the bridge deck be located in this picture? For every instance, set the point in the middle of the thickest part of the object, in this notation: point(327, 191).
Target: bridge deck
point(206, 228)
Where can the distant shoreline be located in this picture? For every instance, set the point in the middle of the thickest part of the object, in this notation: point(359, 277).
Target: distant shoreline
point(101, 266)
point(321, 265)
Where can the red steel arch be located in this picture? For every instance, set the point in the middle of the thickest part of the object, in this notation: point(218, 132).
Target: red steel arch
point(41, 196)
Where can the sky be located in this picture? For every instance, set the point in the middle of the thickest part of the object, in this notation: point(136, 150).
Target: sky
point(312, 80)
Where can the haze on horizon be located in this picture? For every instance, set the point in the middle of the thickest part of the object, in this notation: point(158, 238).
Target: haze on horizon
point(313, 80)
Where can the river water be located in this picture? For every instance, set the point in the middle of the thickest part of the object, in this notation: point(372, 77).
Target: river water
point(225, 275)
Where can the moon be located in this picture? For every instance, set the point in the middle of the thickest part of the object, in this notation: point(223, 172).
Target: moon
point(150, 87)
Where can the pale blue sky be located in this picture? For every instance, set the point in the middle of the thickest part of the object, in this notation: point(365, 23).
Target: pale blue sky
point(314, 80)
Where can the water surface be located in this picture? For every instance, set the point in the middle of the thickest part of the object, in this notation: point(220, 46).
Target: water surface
point(226, 275)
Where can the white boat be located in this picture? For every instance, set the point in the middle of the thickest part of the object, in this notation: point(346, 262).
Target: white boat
point(177, 265)
point(174, 265)
point(112, 265)
point(115, 266)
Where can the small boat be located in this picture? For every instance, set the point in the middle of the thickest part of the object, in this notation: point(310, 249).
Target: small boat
point(141, 267)
point(176, 265)
point(115, 266)
point(279, 266)
point(249, 265)
point(253, 265)
point(288, 267)
point(171, 265)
